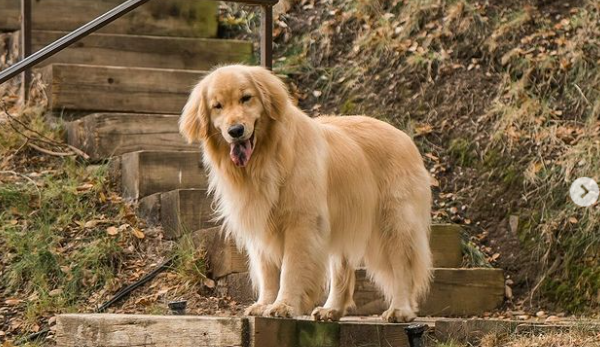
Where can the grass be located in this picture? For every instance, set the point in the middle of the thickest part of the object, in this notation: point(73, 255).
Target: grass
point(190, 261)
point(54, 217)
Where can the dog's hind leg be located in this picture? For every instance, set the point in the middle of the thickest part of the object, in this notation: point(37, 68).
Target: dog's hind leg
point(341, 290)
point(401, 261)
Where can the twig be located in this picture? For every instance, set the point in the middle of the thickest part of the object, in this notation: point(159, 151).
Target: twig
point(582, 95)
point(49, 152)
point(42, 137)
point(28, 179)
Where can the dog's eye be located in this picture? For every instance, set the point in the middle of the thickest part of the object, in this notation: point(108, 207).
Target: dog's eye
point(245, 98)
point(218, 106)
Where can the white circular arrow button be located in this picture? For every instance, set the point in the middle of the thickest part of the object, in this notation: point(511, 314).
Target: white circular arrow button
point(584, 191)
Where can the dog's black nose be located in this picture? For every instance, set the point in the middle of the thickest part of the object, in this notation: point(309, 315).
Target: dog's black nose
point(236, 131)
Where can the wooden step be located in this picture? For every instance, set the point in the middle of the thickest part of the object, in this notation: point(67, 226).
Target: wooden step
point(103, 135)
point(74, 88)
point(454, 292)
point(224, 258)
point(114, 330)
point(146, 51)
point(147, 172)
point(162, 18)
point(189, 210)
point(183, 211)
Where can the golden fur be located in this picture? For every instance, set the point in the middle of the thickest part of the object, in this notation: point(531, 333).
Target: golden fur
point(329, 193)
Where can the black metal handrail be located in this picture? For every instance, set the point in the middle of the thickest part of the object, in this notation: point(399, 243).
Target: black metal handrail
point(27, 61)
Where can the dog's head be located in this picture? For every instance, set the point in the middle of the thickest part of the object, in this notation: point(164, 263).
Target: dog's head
point(234, 105)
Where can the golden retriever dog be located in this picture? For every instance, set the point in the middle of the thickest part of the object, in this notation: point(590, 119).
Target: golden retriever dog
point(306, 197)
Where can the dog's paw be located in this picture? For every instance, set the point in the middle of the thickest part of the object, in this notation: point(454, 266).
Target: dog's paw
point(256, 310)
point(279, 309)
point(398, 315)
point(326, 314)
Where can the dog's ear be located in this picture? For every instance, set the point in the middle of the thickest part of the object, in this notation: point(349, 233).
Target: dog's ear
point(194, 120)
point(273, 92)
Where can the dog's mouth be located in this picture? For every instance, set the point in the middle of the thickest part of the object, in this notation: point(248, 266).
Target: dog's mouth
point(241, 151)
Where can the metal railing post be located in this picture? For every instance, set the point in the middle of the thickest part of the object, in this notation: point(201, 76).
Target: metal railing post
point(266, 37)
point(25, 46)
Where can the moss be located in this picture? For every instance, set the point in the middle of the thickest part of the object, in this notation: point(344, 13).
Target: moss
point(349, 107)
point(318, 334)
point(461, 151)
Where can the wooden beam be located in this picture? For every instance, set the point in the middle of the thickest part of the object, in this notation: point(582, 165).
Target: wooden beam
point(103, 135)
point(185, 210)
point(118, 89)
point(113, 330)
point(160, 18)
point(225, 258)
point(146, 51)
point(454, 292)
point(147, 172)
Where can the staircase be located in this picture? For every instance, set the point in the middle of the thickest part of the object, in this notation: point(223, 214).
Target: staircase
point(122, 90)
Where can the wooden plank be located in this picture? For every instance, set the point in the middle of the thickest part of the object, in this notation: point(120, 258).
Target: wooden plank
point(118, 89)
point(161, 18)
point(114, 330)
point(146, 51)
point(148, 209)
point(102, 135)
point(184, 211)
point(454, 292)
point(446, 245)
point(148, 172)
point(275, 332)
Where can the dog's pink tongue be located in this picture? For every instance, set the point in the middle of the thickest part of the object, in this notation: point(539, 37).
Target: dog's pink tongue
point(240, 153)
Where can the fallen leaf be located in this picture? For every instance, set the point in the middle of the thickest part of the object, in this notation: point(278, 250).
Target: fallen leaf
point(138, 233)
point(55, 292)
point(209, 283)
point(573, 220)
point(84, 187)
point(112, 231)
point(90, 224)
point(12, 302)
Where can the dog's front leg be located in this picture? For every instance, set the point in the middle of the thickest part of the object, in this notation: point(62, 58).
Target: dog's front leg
point(265, 276)
point(302, 271)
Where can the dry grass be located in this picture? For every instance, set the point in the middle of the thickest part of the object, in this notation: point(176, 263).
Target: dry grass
point(506, 94)
point(552, 339)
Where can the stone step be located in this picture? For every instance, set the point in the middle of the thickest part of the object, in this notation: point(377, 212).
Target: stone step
point(454, 292)
point(144, 173)
point(74, 88)
point(115, 330)
point(162, 18)
point(103, 135)
point(224, 258)
point(146, 51)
